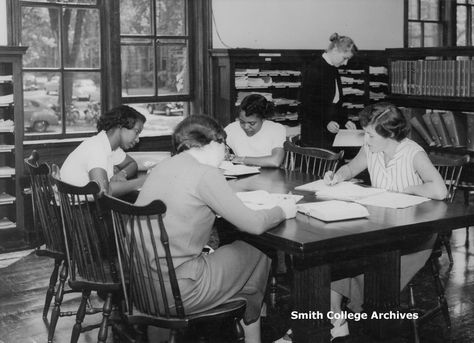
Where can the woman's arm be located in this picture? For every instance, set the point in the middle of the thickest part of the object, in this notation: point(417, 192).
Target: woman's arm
point(274, 160)
point(115, 188)
point(128, 168)
point(349, 170)
point(433, 185)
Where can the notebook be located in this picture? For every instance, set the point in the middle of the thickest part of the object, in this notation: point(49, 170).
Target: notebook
point(345, 190)
point(261, 200)
point(333, 210)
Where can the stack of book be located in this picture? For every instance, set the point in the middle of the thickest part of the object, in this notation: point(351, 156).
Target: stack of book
point(442, 128)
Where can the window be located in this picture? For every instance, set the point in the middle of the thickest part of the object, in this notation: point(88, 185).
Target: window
point(155, 55)
point(424, 23)
point(62, 66)
point(464, 28)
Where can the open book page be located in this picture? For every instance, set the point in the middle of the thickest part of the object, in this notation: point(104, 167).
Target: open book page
point(231, 169)
point(347, 191)
point(333, 210)
point(392, 200)
point(349, 138)
point(261, 200)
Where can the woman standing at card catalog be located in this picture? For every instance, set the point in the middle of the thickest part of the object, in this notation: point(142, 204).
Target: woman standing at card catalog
point(397, 164)
point(321, 96)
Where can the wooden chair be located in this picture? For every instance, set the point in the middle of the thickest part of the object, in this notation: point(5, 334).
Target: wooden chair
point(156, 303)
point(47, 220)
point(314, 161)
point(450, 168)
point(90, 250)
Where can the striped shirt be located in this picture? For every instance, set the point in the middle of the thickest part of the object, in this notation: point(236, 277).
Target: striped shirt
point(399, 173)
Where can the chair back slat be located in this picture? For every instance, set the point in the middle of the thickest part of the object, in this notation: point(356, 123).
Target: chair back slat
point(46, 211)
point(144, 259)
point(308, 160)
point(450, 168)
point(91, 250)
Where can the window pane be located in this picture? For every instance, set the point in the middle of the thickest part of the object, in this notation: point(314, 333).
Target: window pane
point(81, 27)
point(41, 108)
point(461, 25)
point(170, 17)
point(172, 59)
point(414, 35)
point(137, 68)
point(40, 32)
point(461, 1)
point(81, 98)
point(432, 34)
point(161, 117)
point(430, 9)
point(472, 26)
point(413, 9)
point(135, 17)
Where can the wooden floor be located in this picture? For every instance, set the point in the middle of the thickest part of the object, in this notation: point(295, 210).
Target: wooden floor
point(23, 285)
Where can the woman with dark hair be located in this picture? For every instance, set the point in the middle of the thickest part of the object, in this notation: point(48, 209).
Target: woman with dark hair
point(397, 164)
point(101, 158)
point(253, 139)
point(321, 95)
point(194, 191)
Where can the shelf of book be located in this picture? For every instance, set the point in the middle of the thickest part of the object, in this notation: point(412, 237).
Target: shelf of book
point(12, 235)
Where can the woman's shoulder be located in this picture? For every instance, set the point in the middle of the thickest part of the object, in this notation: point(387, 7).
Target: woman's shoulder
point(409, 145)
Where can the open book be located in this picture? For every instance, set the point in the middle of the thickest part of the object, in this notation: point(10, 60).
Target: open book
point(231, 169)
point(333, 210)
point(349, 191)
point(261, 200)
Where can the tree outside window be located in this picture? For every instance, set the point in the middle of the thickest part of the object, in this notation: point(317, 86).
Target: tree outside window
point(424, 23)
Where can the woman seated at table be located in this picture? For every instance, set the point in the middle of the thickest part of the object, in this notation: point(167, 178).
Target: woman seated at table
point(253, 139)
point(194, 191)
point(397, 164)
point(101, 158)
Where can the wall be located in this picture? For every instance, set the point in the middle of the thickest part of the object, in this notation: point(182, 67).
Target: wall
point(306, 24)
point(3, 22)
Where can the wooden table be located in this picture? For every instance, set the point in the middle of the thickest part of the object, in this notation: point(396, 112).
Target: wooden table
point(317, 246)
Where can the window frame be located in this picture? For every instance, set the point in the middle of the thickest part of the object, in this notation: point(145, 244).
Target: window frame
point(469, 21)
point(441, 22)
point(62, 69)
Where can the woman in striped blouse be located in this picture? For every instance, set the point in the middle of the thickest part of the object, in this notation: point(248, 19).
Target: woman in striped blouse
point(397, 164)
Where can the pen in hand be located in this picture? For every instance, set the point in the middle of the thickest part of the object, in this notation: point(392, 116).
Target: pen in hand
point(330, 178)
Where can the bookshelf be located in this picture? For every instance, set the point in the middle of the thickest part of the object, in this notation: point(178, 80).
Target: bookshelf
point(12, 233)
point(435, 89)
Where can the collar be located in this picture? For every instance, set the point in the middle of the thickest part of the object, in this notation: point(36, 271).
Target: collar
point(326, 58)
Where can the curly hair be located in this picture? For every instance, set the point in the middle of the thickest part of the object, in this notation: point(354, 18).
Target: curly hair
point(387, 120)
point(258, 105)
point(196, 131)
point(120, 116)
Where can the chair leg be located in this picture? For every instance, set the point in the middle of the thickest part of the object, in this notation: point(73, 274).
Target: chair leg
point(445, 240)
point(107, 310)
point(173, 336)
point(466, 243)
point(58, 299)
point(81, 313)
point(239, 331)
point(52, 285)
point(411, 308)
point(440, 292)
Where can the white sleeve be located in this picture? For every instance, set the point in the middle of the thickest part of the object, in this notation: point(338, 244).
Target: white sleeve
point(279, 136)
point(118, 156)
point(97, 159)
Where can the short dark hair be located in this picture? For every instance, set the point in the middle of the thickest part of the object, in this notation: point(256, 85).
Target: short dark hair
point(387, 120)
point(196, 131)
point(120, 116)
point(257, 104)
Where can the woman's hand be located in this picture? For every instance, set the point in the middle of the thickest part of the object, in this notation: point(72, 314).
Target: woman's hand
point(238, 160)
point(289, 208)
point(350, 125)
point(331, 178)
point(120, 176)
point(333, 127)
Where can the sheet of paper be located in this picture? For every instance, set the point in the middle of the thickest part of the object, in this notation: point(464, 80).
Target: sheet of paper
point(231, 169)
point(348, 191)
point(333, 210)
point(260, 199)
point(349, 138)
point(392, 200)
